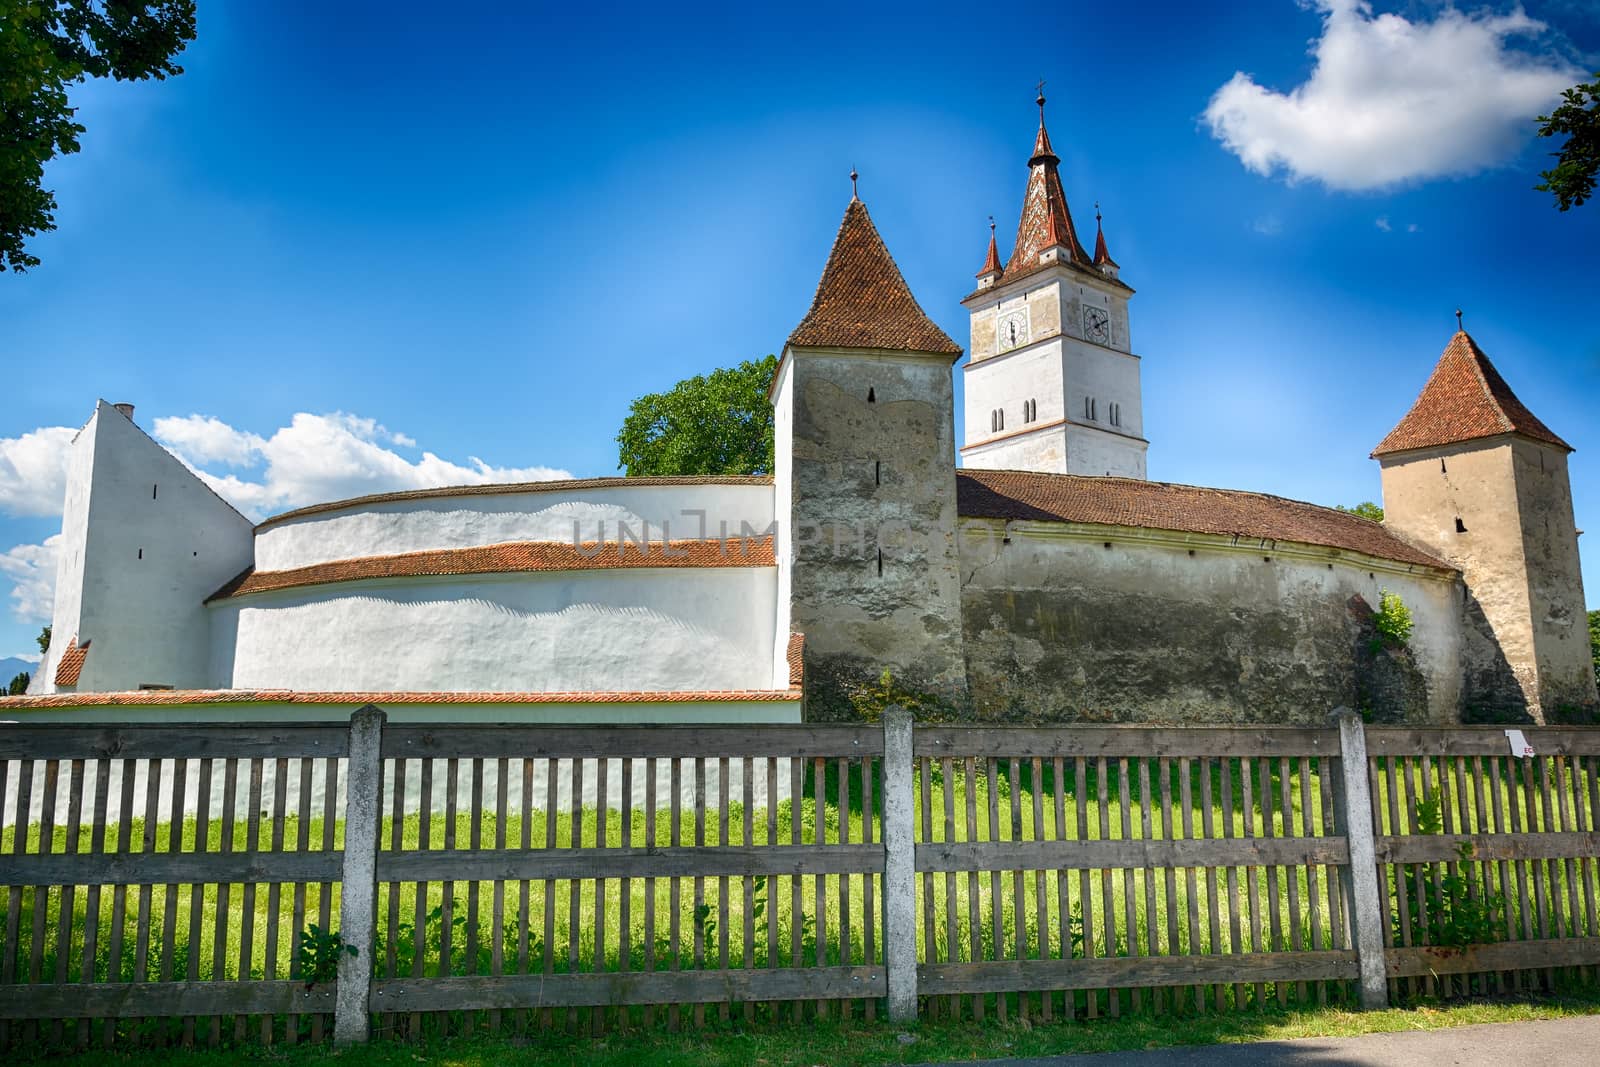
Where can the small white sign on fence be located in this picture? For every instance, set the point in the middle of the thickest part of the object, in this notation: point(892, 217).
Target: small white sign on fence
point(1519, 744)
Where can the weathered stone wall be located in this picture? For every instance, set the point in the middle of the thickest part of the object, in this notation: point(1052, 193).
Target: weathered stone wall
point(1500, 509)
point(871, 550)
point(1166, 627)
point(1559, 623)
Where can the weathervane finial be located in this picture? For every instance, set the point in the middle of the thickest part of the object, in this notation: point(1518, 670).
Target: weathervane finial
point(1458, 320)
point(853, 177)
point(1040, 100)
point(991, 225)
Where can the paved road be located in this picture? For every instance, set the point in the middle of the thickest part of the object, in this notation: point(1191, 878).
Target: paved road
point(1551, 1043)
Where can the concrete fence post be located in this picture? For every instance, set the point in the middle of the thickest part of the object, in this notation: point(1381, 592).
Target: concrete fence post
point(363, 815)
point(1367, 908)
point(899, 866)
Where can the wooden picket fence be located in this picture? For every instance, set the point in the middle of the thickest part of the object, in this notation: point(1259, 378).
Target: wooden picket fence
point(182, 884)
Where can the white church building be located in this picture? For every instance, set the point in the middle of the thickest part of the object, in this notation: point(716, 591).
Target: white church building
point(1045, 579)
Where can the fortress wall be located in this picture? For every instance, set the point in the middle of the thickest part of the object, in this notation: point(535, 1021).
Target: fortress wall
point(1058, 626)
point(626, 630)
point(464, 521)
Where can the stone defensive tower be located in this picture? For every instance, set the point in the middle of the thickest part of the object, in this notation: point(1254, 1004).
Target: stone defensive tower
point(865, 478)
point(1473, 475)
point(1053, 384)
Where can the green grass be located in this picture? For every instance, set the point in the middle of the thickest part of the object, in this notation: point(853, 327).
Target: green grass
point(869, 1045)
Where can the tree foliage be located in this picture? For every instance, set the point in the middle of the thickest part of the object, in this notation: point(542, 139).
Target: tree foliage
point(1594, 642)
point(47, 46)
point(44, 641)
point(19, 684)
point(1571, 180)
point(1366, 509)
point(719, 423)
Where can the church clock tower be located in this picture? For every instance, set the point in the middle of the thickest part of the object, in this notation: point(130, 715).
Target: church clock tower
point(1053, 384)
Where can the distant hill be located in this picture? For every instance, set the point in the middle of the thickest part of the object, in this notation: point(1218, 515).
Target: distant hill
point(10, 667)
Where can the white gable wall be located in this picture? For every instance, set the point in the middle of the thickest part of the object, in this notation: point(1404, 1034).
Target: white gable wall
point(144, 543)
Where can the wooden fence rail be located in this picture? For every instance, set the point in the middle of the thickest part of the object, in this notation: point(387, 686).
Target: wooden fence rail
point(185, 885)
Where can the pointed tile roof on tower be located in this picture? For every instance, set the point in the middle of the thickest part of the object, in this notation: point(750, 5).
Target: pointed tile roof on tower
point(1465, 399)
point(1102, 257)
point(991, 262)
point(863, 301)
point(1045, 219)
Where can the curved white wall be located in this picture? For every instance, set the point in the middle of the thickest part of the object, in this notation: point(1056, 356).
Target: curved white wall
point(390, 527)
point(627, 629)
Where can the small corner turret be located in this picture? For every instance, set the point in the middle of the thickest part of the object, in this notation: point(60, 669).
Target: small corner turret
point(1473, 475)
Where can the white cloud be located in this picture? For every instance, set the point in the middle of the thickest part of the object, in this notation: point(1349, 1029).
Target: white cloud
point(33, 471)
point(318, 458)
point(1268, 225)
point(1391, 100)
point(1412, 227)
point(1382, 223)
point(32, 572)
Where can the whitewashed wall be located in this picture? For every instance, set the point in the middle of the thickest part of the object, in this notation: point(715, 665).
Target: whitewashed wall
point(625, 629)
point(144, 543)
point(391, 527)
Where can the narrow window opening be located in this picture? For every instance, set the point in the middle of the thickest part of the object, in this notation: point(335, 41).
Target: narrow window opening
point(1266, 559)
point(880, 563)
point(1108, 544)
point(1442, 469)
point(1461, 527)
point(197, 553)
point(141, 553)
point(1191, 553)
point(872, 395)
point(153, 489)
point(877, 472)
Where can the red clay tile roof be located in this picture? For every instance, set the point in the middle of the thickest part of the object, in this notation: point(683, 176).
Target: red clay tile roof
point(1102, 257)
point(796, 655)
point(1465, 399)
point(71, 664)
point(863, 301)
point(991, 262)
point(1045, 219)
point(293, 696)
point(1036, 497)
point(500, 488)
point(510, 558)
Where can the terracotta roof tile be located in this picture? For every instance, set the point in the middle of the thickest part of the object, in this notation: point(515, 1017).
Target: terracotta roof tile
point(1465, 399)
point(501, 488)
point(991, 262)
point(510, 558)
point(1102, 256)
point(293, 696)
point(863, 301)
point(1045, 219)
point(796, 655)
point(71, 664)
point(1186, 508)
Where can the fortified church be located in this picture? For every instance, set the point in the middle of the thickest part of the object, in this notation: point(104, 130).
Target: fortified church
point(1044, 579)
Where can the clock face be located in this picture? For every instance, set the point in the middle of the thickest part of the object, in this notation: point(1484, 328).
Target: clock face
point(1013, 330)
point(1097, 325)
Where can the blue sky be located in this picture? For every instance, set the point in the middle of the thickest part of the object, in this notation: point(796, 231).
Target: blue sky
point(361, 246)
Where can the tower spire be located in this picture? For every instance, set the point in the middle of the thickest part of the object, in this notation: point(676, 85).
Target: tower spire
point(991, 263)
point(1046, 222)
point(1102, 257)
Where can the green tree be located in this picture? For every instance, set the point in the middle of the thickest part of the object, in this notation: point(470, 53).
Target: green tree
point(1366, 509)
point(46, 46)
point(1594, 642)
point(719, 423)
point(44, 641)
point(19, 685)
point(1571, 180)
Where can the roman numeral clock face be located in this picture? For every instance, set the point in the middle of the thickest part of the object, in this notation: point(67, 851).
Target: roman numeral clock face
point(1013, 330)
point(1097, 325)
